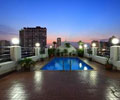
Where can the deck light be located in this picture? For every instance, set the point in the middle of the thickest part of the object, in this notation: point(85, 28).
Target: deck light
point(80, 47)
point(37, 44)
point(93, 44)
point(115, 41)
point(85, 45)
point(15, 41)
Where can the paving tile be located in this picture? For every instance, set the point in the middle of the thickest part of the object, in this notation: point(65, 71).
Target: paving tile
point(59, 85)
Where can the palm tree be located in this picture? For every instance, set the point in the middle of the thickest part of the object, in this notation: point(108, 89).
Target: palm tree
point(54, 44)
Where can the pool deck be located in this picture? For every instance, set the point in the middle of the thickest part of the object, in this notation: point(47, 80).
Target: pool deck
point(97, 84)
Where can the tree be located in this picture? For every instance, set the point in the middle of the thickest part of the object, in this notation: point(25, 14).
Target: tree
point(67, 45)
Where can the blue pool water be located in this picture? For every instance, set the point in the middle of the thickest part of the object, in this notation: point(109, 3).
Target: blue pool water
point(66, 63)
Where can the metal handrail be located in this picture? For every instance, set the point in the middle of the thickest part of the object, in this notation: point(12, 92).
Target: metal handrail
point(5, 53)
point(27, 51)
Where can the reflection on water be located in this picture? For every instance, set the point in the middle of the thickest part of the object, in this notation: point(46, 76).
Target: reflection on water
point(85, 68)
point(66, 63)
point(80, 65)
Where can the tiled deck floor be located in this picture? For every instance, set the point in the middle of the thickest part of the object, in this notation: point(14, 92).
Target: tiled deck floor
point(77, 85)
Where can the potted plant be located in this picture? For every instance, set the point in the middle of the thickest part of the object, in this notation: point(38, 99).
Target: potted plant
point(61, 53)
point(108, 65)
point(65, 52)
point(70, 54)
point(58, 52)
point(80, 52)
point(51, 52)
point(26, 64)
point(90, 54)
point(73, 53)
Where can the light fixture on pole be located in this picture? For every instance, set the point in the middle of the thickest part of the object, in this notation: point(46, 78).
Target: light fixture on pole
point(37, 44)
point(93, 44)
point(15, 41)
point(85, 45)
point(50, 46)
point(115, 41)
point(80, 46)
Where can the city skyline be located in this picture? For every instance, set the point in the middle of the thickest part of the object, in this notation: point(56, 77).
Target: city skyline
point(72, 20)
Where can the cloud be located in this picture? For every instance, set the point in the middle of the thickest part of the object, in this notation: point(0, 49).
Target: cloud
point(7, 32)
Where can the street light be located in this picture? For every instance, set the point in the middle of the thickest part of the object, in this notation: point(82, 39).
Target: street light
point(115, 41)
point(15, 41)
point(85, 45)
point(93, 44)
point(37, 44)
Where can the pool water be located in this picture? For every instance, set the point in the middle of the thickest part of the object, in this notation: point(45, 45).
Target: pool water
point(66, 63)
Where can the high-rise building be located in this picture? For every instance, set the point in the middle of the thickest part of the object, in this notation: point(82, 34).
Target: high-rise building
point(58, 42)
point(31, 35)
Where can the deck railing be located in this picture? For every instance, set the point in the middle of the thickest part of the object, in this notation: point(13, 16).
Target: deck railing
point(104, 53)
point(5, 54)
point(27, 51)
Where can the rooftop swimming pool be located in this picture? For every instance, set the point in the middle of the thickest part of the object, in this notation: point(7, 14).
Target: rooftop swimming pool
point(67, 64)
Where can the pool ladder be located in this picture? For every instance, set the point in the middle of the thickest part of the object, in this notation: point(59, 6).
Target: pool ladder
point(70, 65)
point(63, 66)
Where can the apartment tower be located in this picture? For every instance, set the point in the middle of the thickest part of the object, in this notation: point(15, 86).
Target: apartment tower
point(31, 35)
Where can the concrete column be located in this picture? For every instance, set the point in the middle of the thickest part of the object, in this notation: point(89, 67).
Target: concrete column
point(114, 53)
point(15, 53)
point(94, 51)
point(85, 51)
point(119, 53)
point(37, 51)
point(46, 52)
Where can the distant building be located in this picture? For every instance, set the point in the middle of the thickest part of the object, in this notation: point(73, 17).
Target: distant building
point(4, 43)
point(58, 42)
point(31, 35)
point(104, 45)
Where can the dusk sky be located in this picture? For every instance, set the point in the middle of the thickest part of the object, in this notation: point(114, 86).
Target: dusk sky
point(72, 20)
